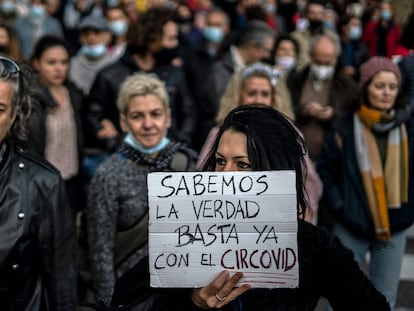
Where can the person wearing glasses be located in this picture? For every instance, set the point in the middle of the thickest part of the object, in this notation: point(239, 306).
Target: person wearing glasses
point(37, 236)
point(259, 138)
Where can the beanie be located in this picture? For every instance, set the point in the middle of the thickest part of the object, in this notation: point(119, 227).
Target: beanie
point(374, 65)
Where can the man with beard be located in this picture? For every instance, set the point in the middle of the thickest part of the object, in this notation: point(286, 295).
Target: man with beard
point(314, 13)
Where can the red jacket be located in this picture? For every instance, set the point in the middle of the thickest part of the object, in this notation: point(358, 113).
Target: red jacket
point(370, 38)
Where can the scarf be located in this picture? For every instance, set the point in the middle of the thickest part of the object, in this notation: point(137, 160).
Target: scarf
point(386, 186)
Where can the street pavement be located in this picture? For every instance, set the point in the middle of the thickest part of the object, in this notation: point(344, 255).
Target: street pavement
point(405, 299)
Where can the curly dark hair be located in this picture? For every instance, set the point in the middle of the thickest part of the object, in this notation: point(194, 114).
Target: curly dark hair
point(273, 143)
point(24, 92)
point(148, 29)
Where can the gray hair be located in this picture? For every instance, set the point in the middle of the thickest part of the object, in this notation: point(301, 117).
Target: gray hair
point(315, 39)
point(23, 99)
point(256, 32)
point(141, 84)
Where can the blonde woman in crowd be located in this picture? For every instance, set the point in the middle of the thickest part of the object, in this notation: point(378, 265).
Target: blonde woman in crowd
point(260, 84)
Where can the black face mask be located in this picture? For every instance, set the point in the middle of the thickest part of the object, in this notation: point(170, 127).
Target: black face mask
point(315, 25)
point(4, 49)
point(165, 56)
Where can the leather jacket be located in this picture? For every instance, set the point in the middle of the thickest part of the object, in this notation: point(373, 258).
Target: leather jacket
point(37, 237)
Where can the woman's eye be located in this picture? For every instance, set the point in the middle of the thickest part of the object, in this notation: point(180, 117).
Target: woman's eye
point(220, 161)
point(244, 165)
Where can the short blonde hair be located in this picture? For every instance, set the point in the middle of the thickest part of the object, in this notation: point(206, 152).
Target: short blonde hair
point(141, 84)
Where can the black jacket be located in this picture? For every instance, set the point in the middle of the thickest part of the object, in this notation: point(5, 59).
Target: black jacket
point(37, 237)
point(101, 103)
point(344, 193)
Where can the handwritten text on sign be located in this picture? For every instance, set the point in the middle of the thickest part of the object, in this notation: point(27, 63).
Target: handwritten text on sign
point(203, 223)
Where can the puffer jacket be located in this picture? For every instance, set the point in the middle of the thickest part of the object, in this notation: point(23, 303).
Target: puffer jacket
point(344, 192)
point(37, 237)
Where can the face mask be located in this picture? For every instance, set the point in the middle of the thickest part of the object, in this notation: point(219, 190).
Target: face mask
point(7, 6)
point(213, 34)
point(4, 49)
point(329, 25)
point(270, 8)
point(355, 33)
point(112, 3)
point(315, 24)
point(38, 10)
point(386, 15)
point(93, 51)
point(119, 27)
point(286, 62)
point(302, 24)
point(165, 56)
point(322, 73)
point(130, 140)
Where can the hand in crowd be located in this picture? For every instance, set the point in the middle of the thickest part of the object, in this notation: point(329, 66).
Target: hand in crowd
point(219, 292)
point(107, 130)
point(316, 110)
point(349, 70)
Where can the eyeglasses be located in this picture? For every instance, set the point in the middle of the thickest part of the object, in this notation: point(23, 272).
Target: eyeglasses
point(10, 66)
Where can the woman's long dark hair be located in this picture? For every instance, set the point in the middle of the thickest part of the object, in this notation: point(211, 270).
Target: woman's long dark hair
point(273, 143)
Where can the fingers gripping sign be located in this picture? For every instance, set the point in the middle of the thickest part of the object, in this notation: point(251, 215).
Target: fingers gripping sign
point(220, 291)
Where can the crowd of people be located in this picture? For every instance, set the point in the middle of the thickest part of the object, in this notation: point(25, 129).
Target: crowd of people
point(95, 94)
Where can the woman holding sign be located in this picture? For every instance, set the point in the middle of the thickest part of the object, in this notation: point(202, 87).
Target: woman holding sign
point(117, 203)
point(259, 138)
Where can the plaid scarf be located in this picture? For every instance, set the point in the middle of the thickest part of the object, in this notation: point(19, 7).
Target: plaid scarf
point(386, 186)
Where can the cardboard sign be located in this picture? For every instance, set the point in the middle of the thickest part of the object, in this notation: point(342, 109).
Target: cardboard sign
point(203, 223)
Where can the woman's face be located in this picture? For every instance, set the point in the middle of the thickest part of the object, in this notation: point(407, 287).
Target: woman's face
point(4, 37)
point(53, 66)
point(285, 48)
point(146, 119)
point(231, 154)
point(6, 115)
point(383, 90)
point(256, 90)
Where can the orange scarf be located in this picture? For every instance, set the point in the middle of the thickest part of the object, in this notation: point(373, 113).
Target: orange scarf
point(386, 186)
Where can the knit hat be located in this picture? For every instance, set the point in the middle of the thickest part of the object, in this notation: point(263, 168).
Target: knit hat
point(374, 65)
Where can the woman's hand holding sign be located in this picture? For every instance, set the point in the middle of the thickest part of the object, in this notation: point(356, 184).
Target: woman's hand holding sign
point(219, 292)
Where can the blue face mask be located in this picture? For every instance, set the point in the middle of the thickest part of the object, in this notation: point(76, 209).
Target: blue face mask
point(38, 10)
point(270, 8)
point(112, 3)
point(7, 6)
point(131, 141)
point(93, 51)
point(355, 33)
point(329, 25)
point(213, 34)
point(119, 27)
point(386, 15)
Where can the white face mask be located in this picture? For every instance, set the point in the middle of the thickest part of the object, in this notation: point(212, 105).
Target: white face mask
point(286, 62)
point(322, 72)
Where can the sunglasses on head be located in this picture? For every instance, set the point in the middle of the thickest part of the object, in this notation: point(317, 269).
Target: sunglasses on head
point(9, 65)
